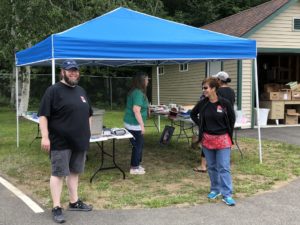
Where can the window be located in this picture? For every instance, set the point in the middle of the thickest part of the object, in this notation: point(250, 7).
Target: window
point(161, 70)
point(213, 68)
point(183, 67)
point(296, 24)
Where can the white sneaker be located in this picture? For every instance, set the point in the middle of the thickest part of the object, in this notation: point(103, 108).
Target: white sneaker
point(141, 168)
point(137, 171)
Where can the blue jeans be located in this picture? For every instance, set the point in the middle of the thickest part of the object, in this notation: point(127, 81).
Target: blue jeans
point(218, 165)
point(137, 147)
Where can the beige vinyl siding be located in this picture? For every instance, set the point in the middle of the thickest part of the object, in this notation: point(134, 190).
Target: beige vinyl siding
point(183, 88)
point(231, 68)
point(279, 33)
point(247, 89)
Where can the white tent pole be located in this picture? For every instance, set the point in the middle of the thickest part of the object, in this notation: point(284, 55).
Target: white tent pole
point(158, 97)
point(53, 71)
point(110, 87)
point(17, 104)
point(257, 108)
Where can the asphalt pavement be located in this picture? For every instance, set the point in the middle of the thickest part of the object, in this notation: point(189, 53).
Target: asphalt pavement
point(289, 135)
point(275, 207)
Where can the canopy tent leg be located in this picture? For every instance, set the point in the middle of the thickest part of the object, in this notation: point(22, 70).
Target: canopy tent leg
point(257, 108)
point(17, 105)
point(110, 94)
point(53, 71)
point(158, 97)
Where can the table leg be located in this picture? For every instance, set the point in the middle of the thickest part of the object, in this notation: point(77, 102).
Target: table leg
point(114, 161)
point(182, 130)
point(37, 136)
point(236, 143)
point(155, 124)
point(103, 153)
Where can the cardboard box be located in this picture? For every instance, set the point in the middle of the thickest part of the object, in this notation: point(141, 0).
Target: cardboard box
point(292, 112)
point(270, 96)
point(272, 87)
point(291, 117)
point(291, 120)
point(297, 88)
point(295, 95)
point(285, 94)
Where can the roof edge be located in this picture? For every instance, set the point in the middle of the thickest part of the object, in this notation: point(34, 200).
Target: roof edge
point(225, 18)
point(268, 18)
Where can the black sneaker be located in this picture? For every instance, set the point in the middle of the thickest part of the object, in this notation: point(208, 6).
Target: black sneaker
point(80, 206)
point(57, 215)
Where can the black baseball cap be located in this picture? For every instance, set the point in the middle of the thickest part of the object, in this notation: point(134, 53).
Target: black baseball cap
point(69, 64)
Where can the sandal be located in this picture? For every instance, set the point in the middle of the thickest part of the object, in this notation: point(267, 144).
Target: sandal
point(197, 169)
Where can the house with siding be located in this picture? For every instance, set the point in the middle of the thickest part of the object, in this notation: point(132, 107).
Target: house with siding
point(275, 25)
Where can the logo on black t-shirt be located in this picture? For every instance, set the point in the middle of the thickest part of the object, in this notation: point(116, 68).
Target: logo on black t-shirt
point(219, 109)
point(83, 99)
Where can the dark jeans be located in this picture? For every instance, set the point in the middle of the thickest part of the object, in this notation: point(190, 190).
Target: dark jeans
point(137, 147)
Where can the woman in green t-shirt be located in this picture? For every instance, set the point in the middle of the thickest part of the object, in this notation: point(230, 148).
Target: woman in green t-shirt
point(135, 117)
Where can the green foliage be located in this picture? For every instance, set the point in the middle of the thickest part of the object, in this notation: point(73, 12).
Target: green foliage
point(24, 23)
point(198, 12)
point(27, 22)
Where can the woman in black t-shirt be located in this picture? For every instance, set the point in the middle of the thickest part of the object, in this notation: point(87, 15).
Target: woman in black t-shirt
point(215, 118)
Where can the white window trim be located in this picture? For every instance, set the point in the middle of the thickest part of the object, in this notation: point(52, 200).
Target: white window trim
point(293, 24)
point(209, 67)
point(183, 70)
point(159, 70)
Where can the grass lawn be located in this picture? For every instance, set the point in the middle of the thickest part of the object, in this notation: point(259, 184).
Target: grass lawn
point(169, 178)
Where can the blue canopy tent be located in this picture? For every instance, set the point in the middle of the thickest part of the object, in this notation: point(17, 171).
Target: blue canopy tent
point(124, 37)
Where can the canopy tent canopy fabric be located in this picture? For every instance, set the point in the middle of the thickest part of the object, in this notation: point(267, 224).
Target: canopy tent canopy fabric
point(126, 37)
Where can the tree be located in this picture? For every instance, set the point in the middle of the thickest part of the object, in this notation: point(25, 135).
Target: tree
point(26, 22)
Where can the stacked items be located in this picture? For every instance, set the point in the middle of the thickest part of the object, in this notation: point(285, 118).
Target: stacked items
point(295, 88)
point(274, 91)
point(279, 97)
point(159, 109)
point(291, 117)
point(185, 111)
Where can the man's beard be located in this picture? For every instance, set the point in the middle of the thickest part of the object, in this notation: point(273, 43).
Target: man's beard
point(71, 82)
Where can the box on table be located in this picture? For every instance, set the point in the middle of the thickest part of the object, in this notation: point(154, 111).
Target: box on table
point(285, 94)
point(297, 88)
point(97, 122)
point(295, 95)
point(270, 95)
point(272, 87)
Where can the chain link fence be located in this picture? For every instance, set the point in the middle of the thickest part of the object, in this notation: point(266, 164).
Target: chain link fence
point(104, 92)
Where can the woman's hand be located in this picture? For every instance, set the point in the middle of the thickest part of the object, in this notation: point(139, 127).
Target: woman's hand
point(143, 130)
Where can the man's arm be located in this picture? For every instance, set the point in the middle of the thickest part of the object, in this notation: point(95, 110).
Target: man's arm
point(45, 143)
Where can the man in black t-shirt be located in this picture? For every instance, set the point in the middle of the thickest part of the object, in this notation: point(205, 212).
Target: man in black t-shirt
point(64, 118)
point(225, 91)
